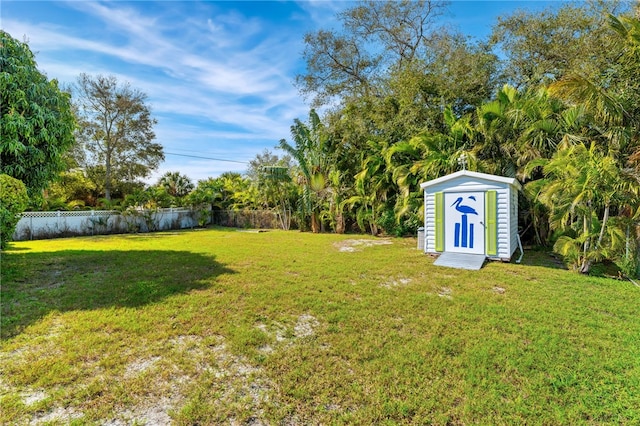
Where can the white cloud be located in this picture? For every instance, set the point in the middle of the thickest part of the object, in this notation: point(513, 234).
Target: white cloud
point(323, 12)
point(216, 79)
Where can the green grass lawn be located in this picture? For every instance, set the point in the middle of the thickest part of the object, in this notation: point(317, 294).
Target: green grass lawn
point(226, 327)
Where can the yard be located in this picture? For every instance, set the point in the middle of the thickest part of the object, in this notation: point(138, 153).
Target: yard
point(220, 326)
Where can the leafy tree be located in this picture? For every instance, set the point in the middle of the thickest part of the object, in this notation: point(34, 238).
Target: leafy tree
point(339, 188)
point(497, 131)
point(522, 125)
point(36, 119)
point(453, 72)
point(430, 155)
point(143, 206)
point(207, 192)
point(204, 197)
point(612, 96)
point(366, 207)
point(628, 29)
point(257, 166)
point(116, 130)
point(119, 189)
point(392, 74)
point(151, 198)
point(374, 36)
point(237, 191)
point(542, 47)
point(13, 201)
point(72, 188)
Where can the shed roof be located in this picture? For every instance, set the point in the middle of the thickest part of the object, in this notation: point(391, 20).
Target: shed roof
point(475, 175)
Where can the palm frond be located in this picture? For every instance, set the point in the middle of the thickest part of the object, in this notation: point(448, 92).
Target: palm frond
point(579, 89)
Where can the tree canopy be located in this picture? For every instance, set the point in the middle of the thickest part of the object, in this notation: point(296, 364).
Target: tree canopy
point(36, 118)
point(375, 37)
point(115, 129)
point(176, 184)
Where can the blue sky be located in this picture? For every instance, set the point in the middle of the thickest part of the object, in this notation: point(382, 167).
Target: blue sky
point(219, 75)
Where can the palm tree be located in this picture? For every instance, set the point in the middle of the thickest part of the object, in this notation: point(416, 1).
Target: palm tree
point(543, 124)
point(176, 185)
point(612, 99)
point(580, 188)
point(310, 150)
point(373, 187)
point(337, 191)
point(496, 133)
point(277, 190)
point(427, 156)
point(237, 192)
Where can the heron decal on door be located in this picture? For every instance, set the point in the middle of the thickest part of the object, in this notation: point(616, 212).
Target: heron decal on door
point(464, 230)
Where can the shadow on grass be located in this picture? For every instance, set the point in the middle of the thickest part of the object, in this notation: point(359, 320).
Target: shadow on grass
point(545, 257)
point(34, 284)
point(540, 257)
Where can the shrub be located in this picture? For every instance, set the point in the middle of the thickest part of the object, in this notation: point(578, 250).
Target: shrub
point(406, 225)
point(13, 201)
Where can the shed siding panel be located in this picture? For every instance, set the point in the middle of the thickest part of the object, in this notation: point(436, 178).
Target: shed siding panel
point(513, 208)
point(439, 221)
point(503, 223)
point(430, 223)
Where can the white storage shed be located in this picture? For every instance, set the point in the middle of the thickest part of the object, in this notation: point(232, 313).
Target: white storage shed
point(471, 213)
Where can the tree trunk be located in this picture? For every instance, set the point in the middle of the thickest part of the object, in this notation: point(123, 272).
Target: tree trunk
point(315, 223)
point(586, 264)
point(605, 218)
point(107, 178)
point(340, 226)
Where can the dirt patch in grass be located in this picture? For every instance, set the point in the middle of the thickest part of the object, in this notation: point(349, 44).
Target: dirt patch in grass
point(445, 292)
point(162, 386)
point(305, 327)
point(140, 366)
point(149, 413)
point(59, 414)
point(395, 283)
point(350, 246)
point(231, 378)
point(30, 398)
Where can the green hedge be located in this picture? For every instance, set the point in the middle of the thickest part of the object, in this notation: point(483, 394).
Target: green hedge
point(13, 201)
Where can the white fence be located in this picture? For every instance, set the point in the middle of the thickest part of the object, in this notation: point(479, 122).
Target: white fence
point(42, 225)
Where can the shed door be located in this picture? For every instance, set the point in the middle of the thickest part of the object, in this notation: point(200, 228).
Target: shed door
point(464, 222)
